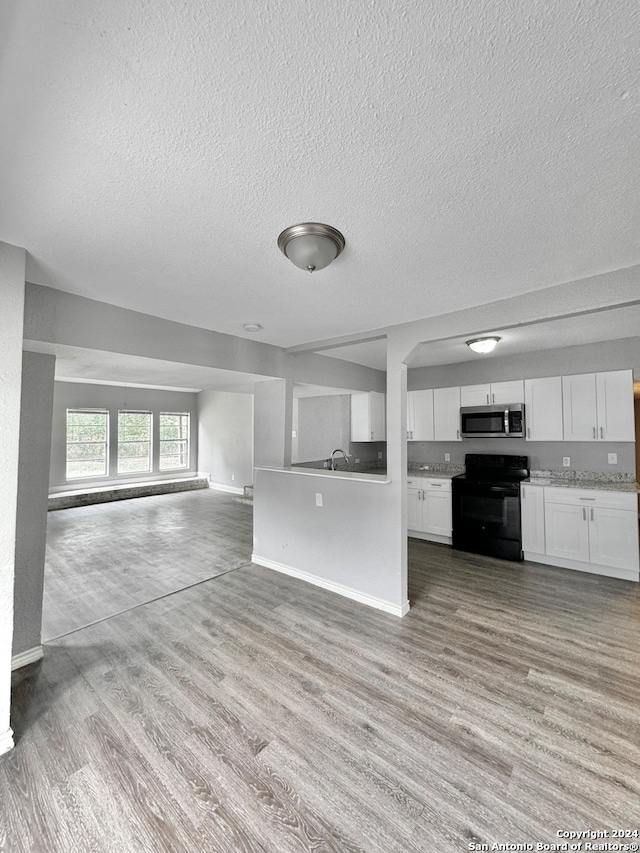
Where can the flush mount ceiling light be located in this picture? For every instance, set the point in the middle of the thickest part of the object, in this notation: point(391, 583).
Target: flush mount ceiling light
point(483, 345)
point(252, 327)
point(311, 245)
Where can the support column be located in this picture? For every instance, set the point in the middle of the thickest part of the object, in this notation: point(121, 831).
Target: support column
point(273, 419)
point(12, 273)
point(397, 458)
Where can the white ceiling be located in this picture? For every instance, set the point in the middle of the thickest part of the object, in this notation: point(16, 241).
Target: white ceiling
point(150, 153)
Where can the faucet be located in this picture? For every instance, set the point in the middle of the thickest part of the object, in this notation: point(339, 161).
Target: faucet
point(333, 461)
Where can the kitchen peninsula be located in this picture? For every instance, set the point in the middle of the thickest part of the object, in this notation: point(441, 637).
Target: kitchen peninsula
point(334, 529)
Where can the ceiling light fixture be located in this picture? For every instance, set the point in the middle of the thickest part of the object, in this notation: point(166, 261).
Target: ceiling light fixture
point(483, 345)
point(252, 327)
point(311, 245)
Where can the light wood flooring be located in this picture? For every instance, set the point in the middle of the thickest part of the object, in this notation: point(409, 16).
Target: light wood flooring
point(105, 558)
point(254, 712)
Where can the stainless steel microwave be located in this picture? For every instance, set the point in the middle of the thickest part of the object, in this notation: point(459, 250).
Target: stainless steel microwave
point(506, 421)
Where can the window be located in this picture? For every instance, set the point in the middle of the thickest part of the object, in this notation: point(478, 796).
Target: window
point(87, 443)
point(174, 440)
point(134, 442)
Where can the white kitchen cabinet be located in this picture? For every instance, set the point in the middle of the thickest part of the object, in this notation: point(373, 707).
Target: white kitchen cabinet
point(446, 414)
point(494, 393)
point(543, 409)
point(368, 416)
point(598, 406)
point(614, 396)
point(420, 415)
point(429, 509)
point(532, 516)
point(592, 530)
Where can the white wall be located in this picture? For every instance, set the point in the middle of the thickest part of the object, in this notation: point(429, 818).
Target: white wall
point(12, 267)
point(225, 438)
point(347, 545)
point(114, 397)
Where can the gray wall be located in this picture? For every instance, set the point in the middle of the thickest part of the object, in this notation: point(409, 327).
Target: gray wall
point(225, 437)
point(33, 485)
point(324, 424)
point(12, 266)
point(545, 455)
point(113, 398)
point(272, 422)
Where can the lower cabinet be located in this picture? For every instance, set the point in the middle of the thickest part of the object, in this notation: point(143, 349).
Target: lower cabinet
point(429, 509)
point(589, 530)
point(532, 519)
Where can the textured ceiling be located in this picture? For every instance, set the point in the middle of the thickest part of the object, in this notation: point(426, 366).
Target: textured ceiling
point(150, 153)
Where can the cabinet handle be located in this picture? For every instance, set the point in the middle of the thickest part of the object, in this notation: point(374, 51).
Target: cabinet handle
point(591, 513)
point(528, 433)
point(594, 432)
point(457, 433)
point(371, 436)
point(435, 485)
point(587, 499)
point(601, 432)
point(493, 398)
point(584, 513)
point(487, 399)
point(524, 493)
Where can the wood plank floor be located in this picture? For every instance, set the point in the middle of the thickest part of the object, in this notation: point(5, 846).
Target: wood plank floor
point(257, 713)
point(106, 558)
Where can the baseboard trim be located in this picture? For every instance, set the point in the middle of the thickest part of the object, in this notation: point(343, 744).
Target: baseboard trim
point(340, 589)
point(576, 565)
point(27, 657)
point(233, 490)
point(6, 741)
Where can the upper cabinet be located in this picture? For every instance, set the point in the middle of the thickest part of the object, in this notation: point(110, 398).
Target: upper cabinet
point(598, 406)
point(368, 416)
point(495, 393)
point(420, 415)
point(446, 414)
point(543, 408)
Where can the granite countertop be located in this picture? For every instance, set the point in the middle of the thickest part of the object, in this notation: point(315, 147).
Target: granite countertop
point(433, 475)
point(573, 483)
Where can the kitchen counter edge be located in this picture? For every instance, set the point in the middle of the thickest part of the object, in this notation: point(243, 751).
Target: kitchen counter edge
point(593, 485)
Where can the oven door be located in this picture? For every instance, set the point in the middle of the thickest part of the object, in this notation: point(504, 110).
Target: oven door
point(486, 518)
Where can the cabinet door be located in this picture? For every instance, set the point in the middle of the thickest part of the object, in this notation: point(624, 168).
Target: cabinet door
point(446, 414)
point(566, 529)
point(414, 509)
point(422, 405)
point(437, 512)
point(475, 395)
point(615, 406)
point(507, 392)
point(377, 405)
point(543, 409)
point(613, 537)
point(579, 407)
point(368, 416)
point(532, 508)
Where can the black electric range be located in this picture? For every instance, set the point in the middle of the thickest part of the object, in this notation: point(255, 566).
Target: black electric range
point(486, 505)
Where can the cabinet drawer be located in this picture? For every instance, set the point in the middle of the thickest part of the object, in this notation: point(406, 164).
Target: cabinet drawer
point(589, 497)
point(416, 483)
point(437, 485)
